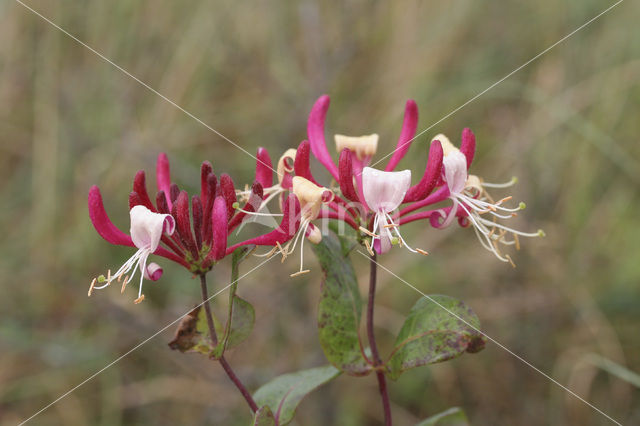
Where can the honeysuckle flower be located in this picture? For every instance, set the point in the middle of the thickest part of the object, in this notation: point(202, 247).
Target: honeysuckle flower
point(375, 193)
point(196, 239)
point(471, 203)
point(146, 230)
point(384, 192)
point(446, 172)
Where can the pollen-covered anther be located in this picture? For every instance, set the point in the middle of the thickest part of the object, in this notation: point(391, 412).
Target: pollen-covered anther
point(124, 283)
point(93, 284)
point(369, 233)
point(368, 246)
point(364, 147)
point(139, 299)
point(295, 274)
point(423, 252)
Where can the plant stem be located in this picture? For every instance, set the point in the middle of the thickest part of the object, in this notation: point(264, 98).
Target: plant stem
point(214, 338)
point(382, 381)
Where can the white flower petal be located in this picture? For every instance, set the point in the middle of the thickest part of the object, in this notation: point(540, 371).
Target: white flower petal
point(384, 191)
point(147, 227)
point(455, 171)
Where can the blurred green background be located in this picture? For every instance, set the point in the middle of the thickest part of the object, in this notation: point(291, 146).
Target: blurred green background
point(566, 126)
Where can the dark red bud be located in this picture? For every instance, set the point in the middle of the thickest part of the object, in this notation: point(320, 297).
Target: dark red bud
point(264, 168)
point(196, 211)
point(205, 170)
point(174, 191)
point(134, 200)
point(228, 191)
point(183, 222)
point(161, 202)
point(468, 145)
point(140, 186)
point(345, 173)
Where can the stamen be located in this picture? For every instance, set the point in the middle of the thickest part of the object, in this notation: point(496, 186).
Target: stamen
point(282, 251)
point(368, 246)
point(93, 283)
point(512, 182)
point(267, 254)
point(369, 233)
point(510, 261)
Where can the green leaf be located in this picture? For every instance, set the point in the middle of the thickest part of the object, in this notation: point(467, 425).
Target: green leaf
point(340, 309)
point(432, 334)
point(284, 393)
point(454, 416)
point(264, 417)
point(240, 315)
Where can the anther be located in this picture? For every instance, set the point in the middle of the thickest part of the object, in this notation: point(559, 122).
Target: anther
point(369, 233)
point(368, 246)
point(139, 299)
point(93, 283)
point(299, 273)
point(510, 261)
point(423, 252)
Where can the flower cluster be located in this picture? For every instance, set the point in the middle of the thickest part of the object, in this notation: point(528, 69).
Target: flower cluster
point(194, 231)
point(195, 237)
point(378, 202)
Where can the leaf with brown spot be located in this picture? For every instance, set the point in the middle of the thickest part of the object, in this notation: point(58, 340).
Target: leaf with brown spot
point(432, 334)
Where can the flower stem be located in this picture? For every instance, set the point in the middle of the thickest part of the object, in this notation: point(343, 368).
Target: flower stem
point(214, 338)
point(382, 381)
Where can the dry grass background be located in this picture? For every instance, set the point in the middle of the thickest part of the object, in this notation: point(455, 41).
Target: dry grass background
point(566, 125)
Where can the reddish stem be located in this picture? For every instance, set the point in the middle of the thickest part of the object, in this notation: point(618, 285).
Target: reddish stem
point(382, 381)
point(214, 338)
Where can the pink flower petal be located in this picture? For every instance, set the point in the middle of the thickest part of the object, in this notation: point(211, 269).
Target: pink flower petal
point(409, 126)
point(455, 171)
point(384, 191)
point(147, 227)
point(315, 130)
